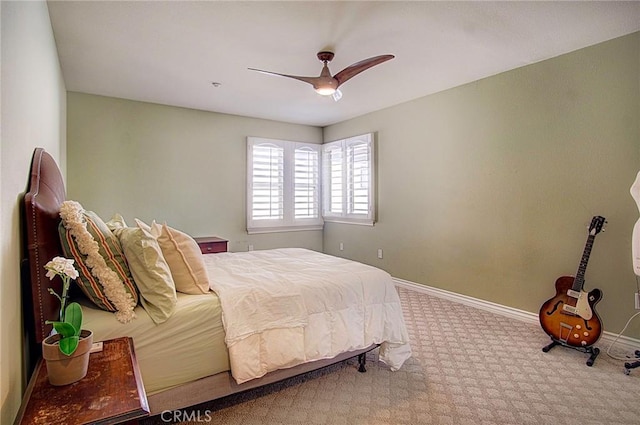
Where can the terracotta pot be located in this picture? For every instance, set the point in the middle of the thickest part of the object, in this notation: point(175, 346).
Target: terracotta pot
point(63, 369)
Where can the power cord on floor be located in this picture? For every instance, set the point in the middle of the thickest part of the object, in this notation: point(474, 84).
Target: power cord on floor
point(618, 337)
point(622, 332)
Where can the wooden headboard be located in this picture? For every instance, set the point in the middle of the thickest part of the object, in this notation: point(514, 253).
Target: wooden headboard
point(45, 194)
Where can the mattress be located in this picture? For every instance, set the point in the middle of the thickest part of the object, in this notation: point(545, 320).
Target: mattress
point(194, 334)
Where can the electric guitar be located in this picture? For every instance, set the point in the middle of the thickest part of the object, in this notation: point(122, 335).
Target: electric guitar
point(570, 317)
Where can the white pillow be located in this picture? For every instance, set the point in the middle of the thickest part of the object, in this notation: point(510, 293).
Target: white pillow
point(184, 257)
point(149, 269)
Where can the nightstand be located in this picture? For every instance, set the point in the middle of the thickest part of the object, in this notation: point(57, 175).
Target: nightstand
point(211, 244)
point(111, 393)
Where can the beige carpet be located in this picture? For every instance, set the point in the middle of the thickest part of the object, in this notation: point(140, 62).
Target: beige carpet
point(468, 366)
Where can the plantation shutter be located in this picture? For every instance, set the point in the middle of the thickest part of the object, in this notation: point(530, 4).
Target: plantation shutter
point(333, 179)
point(358, 166)
point(283, 186)
point(267, 182)
point(348, 178)
point(306, 183)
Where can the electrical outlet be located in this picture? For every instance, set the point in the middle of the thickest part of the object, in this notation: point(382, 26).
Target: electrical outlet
point(341, 246)
point(380, 253)
point(637, 300)
point(250, 247)
point(96, 347)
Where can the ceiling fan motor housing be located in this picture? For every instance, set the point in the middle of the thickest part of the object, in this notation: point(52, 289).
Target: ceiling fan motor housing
point(325, 56)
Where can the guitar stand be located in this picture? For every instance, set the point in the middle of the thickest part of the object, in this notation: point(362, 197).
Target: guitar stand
point(593, 351)
point(632, 365)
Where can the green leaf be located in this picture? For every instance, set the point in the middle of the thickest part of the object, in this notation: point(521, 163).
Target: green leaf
point(65, 330)
point(69, 345)
point(73, 316)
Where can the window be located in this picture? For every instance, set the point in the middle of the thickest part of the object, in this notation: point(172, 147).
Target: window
point(283, 186)
point(348, 180)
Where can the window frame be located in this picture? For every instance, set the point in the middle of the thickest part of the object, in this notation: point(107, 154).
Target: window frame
point(288, 222)
point(347, 175)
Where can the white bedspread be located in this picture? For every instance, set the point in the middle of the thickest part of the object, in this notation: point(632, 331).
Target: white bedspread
point(285, 307)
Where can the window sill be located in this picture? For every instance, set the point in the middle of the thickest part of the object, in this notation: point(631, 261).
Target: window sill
point(276, 229)
point(369, 223)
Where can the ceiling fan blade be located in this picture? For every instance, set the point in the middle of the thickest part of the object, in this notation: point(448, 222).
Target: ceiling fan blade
point(310, 80)
point(355, 69)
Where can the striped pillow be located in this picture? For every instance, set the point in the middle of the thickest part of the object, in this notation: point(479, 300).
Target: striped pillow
point(111, 251)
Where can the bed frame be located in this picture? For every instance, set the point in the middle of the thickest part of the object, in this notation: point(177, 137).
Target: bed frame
point(41, 209)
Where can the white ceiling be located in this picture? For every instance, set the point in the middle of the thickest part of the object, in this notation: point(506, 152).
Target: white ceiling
point(171, 52)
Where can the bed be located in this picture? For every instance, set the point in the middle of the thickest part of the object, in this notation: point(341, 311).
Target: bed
point(265, 316)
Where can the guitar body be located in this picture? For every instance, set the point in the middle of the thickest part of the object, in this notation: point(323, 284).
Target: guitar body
point(570, 317)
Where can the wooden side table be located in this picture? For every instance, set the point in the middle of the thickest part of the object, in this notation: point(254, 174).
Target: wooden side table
point(211, 244)
point(111, 393)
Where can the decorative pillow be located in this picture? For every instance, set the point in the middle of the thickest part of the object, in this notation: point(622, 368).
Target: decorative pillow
point(141, 224)
point(104, 278)
point(184, 257)
point(150, 271)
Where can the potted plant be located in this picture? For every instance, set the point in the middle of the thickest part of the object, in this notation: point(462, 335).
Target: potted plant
point(67, 350)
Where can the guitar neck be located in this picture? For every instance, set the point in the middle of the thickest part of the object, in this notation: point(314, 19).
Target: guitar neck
point(578, 282)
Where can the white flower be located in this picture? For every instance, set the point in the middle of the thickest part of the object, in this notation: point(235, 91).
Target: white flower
point(62, 267)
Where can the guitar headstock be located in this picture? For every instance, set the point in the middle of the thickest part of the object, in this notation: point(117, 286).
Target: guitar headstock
point(597, 224)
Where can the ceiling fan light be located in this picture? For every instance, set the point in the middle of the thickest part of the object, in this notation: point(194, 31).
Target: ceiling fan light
point(325, 91)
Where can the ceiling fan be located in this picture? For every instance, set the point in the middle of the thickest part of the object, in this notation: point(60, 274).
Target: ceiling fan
point(327, 85)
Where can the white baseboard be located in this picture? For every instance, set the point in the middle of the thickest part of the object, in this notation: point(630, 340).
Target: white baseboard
point(607, 338)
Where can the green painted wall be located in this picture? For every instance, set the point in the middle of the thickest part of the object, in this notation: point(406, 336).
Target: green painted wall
point(182, 166)
point(33, 115)
point(487, 189)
